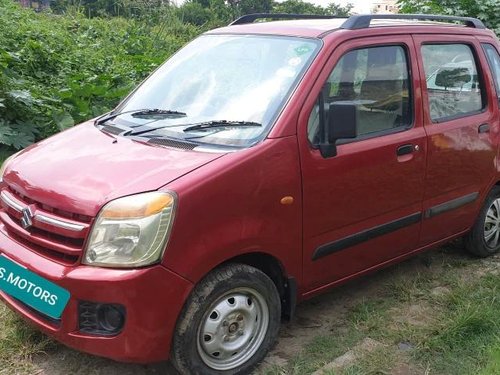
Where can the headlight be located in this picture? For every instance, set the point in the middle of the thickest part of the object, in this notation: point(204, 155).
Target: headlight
point(132, 231)
point(4, 166)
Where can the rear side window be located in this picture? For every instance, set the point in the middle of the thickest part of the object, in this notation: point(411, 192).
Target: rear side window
point(494, 61)
point(453, 84)
point(375, 80)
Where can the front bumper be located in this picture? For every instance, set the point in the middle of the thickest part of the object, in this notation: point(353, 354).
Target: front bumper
point(153, 298)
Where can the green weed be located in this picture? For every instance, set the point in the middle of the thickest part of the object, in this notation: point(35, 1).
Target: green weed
point(59, 70)
point(466, 330)
point(18, 344)
point(452, 332)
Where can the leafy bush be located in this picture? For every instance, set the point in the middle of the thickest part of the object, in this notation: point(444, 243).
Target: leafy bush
point(302, 7)
point(58, 70)
point(194, 13)
point(487, 11)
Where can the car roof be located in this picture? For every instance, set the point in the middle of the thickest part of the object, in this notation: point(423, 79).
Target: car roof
point(317, 28)
point(307, 28)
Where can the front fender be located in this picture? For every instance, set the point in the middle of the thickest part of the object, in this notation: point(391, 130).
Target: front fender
point(233, 206)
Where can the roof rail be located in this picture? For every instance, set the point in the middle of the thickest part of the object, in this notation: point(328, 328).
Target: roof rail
point(363, 21)
point(250, 18)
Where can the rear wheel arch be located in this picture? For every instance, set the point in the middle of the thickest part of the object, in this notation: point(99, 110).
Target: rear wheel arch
point(478, 240)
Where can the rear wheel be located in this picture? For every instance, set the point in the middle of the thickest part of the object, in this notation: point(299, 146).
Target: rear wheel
point(484, 238)
point(229, 323)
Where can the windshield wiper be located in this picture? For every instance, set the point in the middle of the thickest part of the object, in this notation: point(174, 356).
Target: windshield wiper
point(196, 127)
point(159, 112)
point(150, 130)
point(220, 124)
point(141, 112)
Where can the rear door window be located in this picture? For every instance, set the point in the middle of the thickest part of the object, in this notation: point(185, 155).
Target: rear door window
point(453, 85)
point(494, 61)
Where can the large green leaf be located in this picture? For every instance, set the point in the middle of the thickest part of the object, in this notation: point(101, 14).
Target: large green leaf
point(20, 141)
point(23, 96)
point(12, 137)
point(64, 120)
point(5, 133)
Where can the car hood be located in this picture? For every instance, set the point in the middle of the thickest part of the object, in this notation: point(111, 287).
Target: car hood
point(83, 168)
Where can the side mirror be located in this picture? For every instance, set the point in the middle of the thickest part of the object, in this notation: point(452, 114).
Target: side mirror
point(341, 123)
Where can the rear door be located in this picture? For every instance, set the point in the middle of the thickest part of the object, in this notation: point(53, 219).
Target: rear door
point(461, 125)
point(362, 207)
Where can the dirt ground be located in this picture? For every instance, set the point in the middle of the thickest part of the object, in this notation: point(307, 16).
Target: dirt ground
point(319, 316)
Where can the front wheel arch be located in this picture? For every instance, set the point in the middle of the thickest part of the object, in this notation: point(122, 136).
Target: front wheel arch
point(272, 267)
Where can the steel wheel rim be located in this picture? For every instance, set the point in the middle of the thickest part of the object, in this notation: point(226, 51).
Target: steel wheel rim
point(233, 329)
point(492, 225)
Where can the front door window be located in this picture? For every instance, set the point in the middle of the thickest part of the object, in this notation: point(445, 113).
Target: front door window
point(375, 80)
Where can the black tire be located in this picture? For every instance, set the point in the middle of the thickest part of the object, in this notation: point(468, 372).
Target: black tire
point(475, 241)
point(189, 352)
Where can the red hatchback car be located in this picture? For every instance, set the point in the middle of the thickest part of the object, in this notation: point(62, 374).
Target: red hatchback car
point(261, 165)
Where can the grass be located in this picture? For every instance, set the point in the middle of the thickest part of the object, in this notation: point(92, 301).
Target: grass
point(447, 314)
point(372, 363)
point(18, 344)
point(466, 329)
point(317, 353)
point(493, 362)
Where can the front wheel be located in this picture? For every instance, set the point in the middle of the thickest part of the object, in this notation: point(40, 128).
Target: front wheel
point(228, 324)
point(484, 238)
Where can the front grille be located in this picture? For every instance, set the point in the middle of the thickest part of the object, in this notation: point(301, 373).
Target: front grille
point(51, 232)
point(65, 214)
point(62, 258)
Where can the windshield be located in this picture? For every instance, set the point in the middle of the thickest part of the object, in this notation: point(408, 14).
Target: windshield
point(232, 78)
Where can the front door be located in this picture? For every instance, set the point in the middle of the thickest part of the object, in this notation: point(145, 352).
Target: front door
point(363, 207)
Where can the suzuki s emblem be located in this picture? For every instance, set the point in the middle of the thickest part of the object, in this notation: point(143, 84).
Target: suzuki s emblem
point(27, 219)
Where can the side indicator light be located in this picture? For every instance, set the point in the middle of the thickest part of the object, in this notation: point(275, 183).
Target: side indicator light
point(286, 201)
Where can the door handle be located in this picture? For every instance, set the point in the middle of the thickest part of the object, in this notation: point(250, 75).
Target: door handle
point(405, 150)
point(484, 128)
